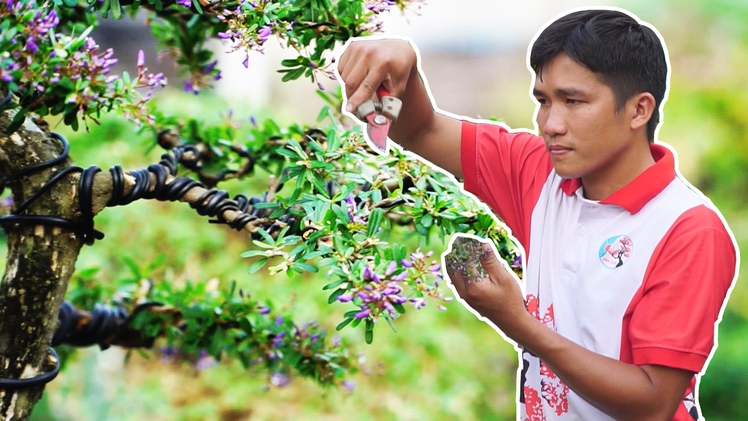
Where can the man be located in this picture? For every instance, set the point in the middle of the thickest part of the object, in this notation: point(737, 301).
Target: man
point(628, 266)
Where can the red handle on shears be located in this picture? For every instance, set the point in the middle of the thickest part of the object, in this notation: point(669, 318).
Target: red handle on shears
point(382, 91)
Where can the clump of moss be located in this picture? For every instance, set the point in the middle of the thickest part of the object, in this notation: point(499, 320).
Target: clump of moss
point(465, 258)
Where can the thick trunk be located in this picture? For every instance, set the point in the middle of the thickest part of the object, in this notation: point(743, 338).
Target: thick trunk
point(40, 262)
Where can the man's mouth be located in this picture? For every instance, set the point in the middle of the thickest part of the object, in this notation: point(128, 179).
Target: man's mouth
point(558, 150)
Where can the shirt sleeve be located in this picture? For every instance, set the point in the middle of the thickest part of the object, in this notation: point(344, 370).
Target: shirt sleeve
point(505, 170)
point(684, 291)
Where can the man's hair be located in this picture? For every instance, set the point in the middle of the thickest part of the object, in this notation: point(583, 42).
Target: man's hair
point(626, 55)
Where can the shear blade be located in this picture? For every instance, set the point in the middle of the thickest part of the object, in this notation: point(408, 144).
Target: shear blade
point(376, 130)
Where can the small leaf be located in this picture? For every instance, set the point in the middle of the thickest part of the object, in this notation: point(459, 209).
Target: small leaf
point(334, 296)
point(344, 323)
point(375, 218)
point(17, 121)
point(389, 322)
point(254, 267)
point(333, 284)
point(246, 324)
point(307, 267)
point(369, 331)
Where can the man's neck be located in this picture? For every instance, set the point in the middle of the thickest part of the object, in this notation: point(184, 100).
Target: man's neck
point(610, 178)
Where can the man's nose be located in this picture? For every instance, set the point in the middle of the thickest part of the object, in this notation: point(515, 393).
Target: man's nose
point(554, 123)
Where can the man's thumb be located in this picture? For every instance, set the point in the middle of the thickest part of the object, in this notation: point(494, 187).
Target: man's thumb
point(489, 260)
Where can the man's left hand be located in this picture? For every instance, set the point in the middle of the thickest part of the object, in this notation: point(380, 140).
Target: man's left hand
point(484, 284)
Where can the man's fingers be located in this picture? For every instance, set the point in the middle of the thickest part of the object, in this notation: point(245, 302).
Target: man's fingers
point(364, 90)
point(490, 261)
point(455, 274)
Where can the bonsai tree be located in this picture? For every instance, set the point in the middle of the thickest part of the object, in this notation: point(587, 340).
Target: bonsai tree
point(331, 206)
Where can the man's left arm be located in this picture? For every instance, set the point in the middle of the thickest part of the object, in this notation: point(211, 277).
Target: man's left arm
point(649, 391)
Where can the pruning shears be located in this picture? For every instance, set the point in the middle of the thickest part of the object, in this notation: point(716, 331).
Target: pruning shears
point(378, 116)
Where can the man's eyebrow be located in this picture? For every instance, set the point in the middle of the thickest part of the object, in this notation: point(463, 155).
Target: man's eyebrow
point(569, 92)
point(565, 92)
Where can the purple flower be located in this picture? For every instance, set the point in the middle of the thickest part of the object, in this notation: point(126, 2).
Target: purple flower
point(5, 76)
point(141, 58)
point(391, 268)
point(418, 303)
point(279, 380)
point(31, 46)
point(345, 298)
point(245, 63)
point(400, 276)
point(349, 385)
point(363, 314)
point(209, 68)
point(185, 3)
point(189, 87)
point(263, 310)
point(264, 33)
point(205, 362)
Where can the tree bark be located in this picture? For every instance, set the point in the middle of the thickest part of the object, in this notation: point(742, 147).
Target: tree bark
point(39, 264)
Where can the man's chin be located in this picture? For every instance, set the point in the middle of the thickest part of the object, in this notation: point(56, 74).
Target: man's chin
point(565, 171)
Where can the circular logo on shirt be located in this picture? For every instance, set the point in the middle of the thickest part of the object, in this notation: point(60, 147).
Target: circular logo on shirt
point(615, 251)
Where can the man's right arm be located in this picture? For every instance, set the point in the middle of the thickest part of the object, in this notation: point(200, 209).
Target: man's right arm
point(367, 64)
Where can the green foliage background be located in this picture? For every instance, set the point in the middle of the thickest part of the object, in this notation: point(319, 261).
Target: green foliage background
point(440, 365)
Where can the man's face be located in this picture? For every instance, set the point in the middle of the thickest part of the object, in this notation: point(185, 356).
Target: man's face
point(577, 118)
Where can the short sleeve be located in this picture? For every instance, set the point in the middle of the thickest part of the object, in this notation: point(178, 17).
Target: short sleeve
point(684, 291)
point(505, 170)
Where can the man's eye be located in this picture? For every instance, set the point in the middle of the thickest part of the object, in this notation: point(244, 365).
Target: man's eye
point(573, 101)
point(541, 101)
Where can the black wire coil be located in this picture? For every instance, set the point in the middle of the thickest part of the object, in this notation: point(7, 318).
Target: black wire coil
point(212, 203)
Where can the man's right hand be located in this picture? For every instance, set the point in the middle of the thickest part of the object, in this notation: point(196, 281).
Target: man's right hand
point(367, 64)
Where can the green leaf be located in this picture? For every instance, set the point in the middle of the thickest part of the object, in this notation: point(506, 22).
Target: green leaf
point(333, 284)
point(344, 323)
point(375, 219)
point(252, 253)
point(254, 267)
point(17, 121)
point(427, 220)
point(421, 229)
point(334, 296)
point(246, 324)
point(327, 261)
point(369, 331)
point(389, 322)
point(293, 74)
point(134, 268)
point(307, 267)
point(266, 236)
point(116, 9)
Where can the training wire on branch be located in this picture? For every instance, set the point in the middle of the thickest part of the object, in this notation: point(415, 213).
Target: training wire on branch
point(149, 183)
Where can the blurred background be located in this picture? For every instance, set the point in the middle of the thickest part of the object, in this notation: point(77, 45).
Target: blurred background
point(439, 365)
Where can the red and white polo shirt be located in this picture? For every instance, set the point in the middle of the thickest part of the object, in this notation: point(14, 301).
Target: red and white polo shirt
point(641, 276)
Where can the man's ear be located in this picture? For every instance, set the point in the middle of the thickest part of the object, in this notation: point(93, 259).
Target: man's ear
point(642, 106)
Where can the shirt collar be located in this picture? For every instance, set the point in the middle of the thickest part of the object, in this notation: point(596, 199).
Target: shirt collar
point(643, 188)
